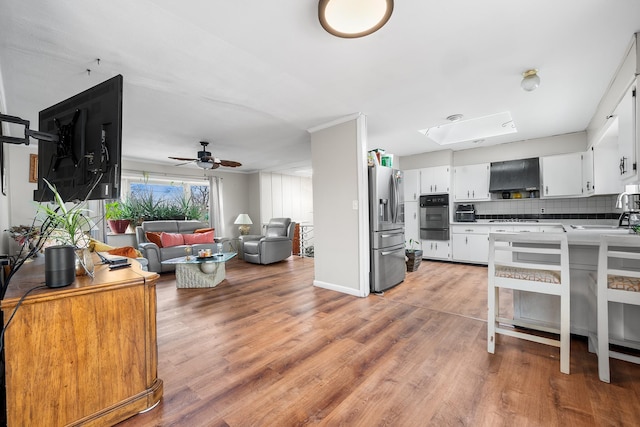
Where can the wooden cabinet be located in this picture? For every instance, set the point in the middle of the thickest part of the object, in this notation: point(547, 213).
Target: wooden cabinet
point(436, 249)
point(435, 180)
point(561, 175)
point(471, 182)
point(412, 185)
point(411, 222)
point(85, 354)
point(470, 243)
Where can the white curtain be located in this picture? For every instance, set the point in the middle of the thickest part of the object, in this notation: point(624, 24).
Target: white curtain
point(216, 215)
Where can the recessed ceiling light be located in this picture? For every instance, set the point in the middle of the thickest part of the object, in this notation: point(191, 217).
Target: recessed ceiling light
point(455, 117)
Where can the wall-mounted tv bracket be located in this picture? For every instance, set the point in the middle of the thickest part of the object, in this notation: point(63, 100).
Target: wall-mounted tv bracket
point(64, 148)
point(40, 136)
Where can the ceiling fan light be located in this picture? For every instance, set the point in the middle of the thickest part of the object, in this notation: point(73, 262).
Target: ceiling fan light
point(354, 18)
point(204, 165)
point(530, 80)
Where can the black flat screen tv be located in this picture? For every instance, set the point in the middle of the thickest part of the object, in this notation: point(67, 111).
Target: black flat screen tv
point(85, 162)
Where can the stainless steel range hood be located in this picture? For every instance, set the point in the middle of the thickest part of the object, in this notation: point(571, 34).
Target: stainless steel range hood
point(514, 175)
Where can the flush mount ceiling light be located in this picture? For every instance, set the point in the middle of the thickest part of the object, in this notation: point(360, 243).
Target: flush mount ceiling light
point(475, 130)
point(354, 18)
point(530, 80)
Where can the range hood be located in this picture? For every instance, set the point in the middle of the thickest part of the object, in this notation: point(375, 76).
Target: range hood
point(514, 175)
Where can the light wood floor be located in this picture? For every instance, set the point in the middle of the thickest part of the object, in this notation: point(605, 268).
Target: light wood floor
point(266, 348)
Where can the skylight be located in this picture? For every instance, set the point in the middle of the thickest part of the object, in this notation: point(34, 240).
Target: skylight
point(472, 129)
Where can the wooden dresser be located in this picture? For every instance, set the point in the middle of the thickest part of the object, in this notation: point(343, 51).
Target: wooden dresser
point(85, 354)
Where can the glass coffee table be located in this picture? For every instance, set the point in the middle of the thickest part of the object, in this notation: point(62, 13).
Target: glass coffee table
point(197, 272)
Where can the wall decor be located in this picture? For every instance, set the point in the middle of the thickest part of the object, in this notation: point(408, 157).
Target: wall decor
point(33, 168)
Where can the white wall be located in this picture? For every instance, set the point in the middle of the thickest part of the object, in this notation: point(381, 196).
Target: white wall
point(341, 232)
point(285, 196)
point(560, 144)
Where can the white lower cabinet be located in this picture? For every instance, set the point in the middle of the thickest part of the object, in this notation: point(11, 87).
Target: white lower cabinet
point(436, 249)
point(470, 243)
point(411, 223)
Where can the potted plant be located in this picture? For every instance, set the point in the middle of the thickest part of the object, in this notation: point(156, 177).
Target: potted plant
point(64, 225)
point(116, 215)
point(413, 255)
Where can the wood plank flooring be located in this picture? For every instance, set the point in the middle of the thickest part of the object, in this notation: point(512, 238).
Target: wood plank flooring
point(266, 348)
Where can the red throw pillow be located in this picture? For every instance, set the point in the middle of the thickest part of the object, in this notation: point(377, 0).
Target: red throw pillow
point(192, 239)
point(203, 230)
point(154, 237)
point(171, 239)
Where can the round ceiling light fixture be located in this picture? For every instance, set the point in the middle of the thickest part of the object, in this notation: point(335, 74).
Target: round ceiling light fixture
point(530, 80)
point(354, 18)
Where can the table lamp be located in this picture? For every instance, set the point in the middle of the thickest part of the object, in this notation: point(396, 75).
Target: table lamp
point(244, 224)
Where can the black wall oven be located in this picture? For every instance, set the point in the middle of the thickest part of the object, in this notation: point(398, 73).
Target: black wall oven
point(434, 217)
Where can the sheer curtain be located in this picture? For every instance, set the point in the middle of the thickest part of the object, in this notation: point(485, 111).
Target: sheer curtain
point(216, 215)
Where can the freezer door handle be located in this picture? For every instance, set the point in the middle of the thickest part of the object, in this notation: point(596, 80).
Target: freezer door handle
point(385, 253)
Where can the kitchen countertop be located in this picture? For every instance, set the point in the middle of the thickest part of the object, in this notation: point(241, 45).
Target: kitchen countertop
point(577, 234)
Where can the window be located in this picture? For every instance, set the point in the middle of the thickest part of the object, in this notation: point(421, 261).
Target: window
point(164, 198)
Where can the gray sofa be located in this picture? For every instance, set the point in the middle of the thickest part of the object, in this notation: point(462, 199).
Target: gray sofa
point(155, 255)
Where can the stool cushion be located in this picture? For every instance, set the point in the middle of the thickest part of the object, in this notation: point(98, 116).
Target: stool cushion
point(546, 276)
point(624, 283)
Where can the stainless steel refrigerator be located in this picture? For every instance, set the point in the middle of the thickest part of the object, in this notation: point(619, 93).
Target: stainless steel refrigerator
point(386, 221)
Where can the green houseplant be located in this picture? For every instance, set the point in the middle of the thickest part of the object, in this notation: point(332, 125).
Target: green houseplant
point(64, 225)
point(413, 255)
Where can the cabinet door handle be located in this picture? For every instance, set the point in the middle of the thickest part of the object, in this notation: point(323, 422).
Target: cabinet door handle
point(546, 189)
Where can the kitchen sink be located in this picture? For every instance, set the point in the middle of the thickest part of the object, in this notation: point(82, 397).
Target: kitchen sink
point(596, 227)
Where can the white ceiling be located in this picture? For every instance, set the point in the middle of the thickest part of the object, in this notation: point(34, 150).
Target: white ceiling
point(252, 76)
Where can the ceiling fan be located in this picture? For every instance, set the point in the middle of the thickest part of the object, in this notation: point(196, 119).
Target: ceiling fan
point(206, 161)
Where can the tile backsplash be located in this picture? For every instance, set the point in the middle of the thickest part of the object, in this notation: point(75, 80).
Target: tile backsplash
point(595, 207)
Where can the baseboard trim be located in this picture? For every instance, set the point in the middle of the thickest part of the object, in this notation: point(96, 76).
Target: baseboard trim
point(338, 288)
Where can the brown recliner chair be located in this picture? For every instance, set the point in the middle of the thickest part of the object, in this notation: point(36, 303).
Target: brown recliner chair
point(274, 246)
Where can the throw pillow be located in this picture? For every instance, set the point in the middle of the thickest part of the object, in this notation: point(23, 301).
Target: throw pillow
point(98, 246)
point(203, 230)
point(171, 239)
point(192, 239)
point(126, 251)
point(154, 237)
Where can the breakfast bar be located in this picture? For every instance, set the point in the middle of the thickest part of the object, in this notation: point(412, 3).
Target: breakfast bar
point(584, 242)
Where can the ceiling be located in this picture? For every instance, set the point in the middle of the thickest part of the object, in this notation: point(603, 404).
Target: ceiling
point(252, 77)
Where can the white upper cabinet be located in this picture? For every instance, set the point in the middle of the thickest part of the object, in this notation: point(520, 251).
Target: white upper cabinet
point(606, 174)
point(471, 182)
point(626, 115)
point(561, 175)
point(435, 180)
point(412, 185)
point(587, 173)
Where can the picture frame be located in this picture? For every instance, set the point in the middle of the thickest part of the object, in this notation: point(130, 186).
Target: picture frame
point(33, 168)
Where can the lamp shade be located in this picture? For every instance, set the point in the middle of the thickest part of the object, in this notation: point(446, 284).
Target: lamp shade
point(243, 219)
point(354, 18)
